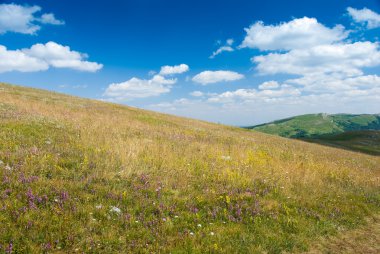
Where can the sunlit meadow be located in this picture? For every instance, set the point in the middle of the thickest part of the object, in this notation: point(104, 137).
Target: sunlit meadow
point(86, 176)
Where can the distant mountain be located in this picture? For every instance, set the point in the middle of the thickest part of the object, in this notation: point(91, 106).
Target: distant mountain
point(317, 125)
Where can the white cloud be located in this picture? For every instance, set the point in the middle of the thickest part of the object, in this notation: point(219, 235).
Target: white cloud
point(60, 56)
point(334, 58)
point(208, 77)
point(316, 84)
point(221, 50)
point(296, 34)
point(365, 16)
point(22, 19)
point(170, 70)
point(197, 94)
point(359, 94)
point(49, 18)
point(226, 48)
point(139, 88)
point(143, 88)
point(330, 77)
point(254, 95)
point(16, 60)
point(269, 85)
point(42, 56)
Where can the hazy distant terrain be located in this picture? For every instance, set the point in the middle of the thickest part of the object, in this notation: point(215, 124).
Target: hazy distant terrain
point(354, 132)
point(80, 175)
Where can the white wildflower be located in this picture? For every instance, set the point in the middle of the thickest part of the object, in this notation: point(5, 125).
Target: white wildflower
point(191, 233)
point(199, 225)
point(226, 158)
point(115, 209)
point(212, 233)
point(98, 207)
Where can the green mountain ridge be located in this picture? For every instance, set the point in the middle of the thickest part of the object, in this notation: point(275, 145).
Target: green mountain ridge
point(317, 125)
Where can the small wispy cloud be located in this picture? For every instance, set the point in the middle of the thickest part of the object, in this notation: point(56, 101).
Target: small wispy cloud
point(226, 48)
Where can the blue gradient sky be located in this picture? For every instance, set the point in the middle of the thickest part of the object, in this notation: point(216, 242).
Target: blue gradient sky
point(132, 38)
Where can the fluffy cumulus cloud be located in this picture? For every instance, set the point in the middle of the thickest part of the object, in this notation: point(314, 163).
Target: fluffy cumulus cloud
point(365, 16)
point(49, 18)
point(17, 60)
point(208, 77)
point(225, 48)
point(60, 56)
point(171, 70)
point(297, 33)
point(24, 19)
point(254, 95)
point(347, 58)
point(144, 88)
point(42, 56)
point(139, 88)
point(269, 85)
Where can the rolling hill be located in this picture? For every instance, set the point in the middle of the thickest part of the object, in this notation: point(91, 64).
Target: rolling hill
point(317, 125)
point(367, 141)
point(353, 132)
point(81, 175)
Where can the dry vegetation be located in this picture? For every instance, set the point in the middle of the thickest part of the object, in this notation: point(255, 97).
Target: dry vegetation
point(88, 176)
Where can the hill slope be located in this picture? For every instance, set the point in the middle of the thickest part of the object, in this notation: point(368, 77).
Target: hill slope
point(88, 176)
point(316, 125)
point(361, 141)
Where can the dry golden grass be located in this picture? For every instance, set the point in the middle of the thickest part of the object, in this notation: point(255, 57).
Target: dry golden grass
point(260, 193)
point(363, 240)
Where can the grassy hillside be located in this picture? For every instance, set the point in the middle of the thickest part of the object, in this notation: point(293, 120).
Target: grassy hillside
point(316, 125)
point(86, 176)
point(361, 141)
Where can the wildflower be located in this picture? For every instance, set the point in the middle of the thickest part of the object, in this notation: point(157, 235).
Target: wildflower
point(98, 206)
point(34, 150)
point(115, 209)
point(176, 216)
point(64, 195)
point(9, 248)
point(226, 158)
point(1, 162)
point(191, 233)
point(199, 225)
point(212, 233)
point(7, 167)
point(136, 221)
point(48, 142)
point(163, 219)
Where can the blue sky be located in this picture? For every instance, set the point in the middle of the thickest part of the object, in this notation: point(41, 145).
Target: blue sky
point(276, 58)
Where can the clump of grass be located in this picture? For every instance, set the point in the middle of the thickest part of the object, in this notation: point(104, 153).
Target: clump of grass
point(80, 175)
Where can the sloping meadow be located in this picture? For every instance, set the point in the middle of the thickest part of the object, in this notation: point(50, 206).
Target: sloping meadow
point(88, 176)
